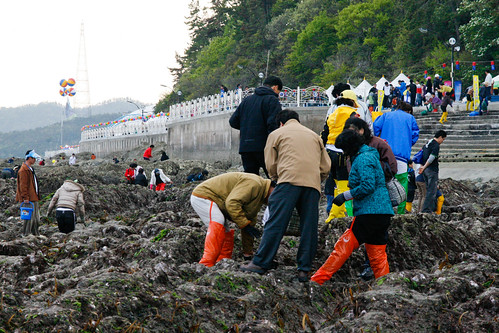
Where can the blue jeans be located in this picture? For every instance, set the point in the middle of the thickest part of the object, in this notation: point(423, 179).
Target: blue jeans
point(431, 180)
point(282, 201)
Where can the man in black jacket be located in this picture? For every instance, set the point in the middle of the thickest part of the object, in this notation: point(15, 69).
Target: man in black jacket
point(255, 118)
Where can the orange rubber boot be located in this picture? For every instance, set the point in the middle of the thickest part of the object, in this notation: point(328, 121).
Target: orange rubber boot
point(342, 250)
point(378, 259)
point(213, 244)
point(440, 203)
point(228, 246)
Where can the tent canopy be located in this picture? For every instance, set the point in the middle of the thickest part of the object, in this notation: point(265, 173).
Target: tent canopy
point(496, 81)
point(363, 89)
point(400, 77)
point(381, 83)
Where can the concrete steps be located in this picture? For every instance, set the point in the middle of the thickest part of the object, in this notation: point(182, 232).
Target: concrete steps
point(473, 139)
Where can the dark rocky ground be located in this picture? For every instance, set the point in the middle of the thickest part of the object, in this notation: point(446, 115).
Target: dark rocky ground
point(134, 268)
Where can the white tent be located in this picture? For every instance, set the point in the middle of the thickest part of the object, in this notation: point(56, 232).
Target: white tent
point(496, 81)
point(363, 89)
point(381, 83)
point(401, 77)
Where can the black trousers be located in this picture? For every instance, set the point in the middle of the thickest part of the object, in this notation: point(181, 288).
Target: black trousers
point(253, 161)
point(66, 220)
point(282, 201)
point(371, 228)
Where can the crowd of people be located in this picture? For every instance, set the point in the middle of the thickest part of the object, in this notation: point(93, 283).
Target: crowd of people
point(357, 157)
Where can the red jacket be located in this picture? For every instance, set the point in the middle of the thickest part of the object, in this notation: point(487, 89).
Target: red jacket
point(130, 174)
point(148, 153)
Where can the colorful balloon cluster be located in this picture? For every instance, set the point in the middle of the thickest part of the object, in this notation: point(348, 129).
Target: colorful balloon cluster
point(68, 147)
point(67, 87)
point(162, 114)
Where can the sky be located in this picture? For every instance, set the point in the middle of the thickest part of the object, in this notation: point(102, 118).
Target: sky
point(129, 47)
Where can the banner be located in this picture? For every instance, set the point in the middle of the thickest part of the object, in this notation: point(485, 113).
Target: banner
point(458, 87)
point(381, 96)
point(476, 91)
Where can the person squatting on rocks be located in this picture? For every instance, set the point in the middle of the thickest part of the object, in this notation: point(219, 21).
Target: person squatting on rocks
point(72, 159)
point(298, 162)
point(67, 199)
point(8, 173)
point(159, 180)
point(233, 196)
point(164, 157)
point(337, 181)
point(400, 130)
point(28, 191)
point(148, 153)
point(140, 178)
point(130, 173)
point(197, 176)
point(255, 119)
point(430, 170)
point(372, 210)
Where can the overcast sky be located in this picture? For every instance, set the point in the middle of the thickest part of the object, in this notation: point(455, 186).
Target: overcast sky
point(129, 47)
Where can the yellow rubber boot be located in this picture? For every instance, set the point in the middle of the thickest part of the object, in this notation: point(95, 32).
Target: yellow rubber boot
point(441, 121)
point(445, 116)
point(440, 203)
point(408, 206)
point(338, 211)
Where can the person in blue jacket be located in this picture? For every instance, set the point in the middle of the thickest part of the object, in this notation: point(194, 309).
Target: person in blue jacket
point(400, 130)
point(372, 209)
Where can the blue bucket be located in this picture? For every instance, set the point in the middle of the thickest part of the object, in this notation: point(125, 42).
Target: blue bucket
point(26, 211)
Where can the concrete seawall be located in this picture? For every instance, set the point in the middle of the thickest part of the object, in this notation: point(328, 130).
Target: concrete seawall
point(207, 138)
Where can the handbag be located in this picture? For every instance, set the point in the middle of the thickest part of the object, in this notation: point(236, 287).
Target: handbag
point(396, 191)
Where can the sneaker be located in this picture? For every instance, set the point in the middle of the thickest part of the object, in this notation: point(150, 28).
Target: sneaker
point(252, 268)
point(367, 274)
point(303, 276)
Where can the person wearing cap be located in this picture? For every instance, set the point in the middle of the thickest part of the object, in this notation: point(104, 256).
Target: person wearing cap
point(159, 180)
point(67, 199)
point(230, 197)
point(338, 175)
point(28, 191)
point(400, 130)
point(255, 119)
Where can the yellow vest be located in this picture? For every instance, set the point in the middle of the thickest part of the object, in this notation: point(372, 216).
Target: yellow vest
point(336, 122)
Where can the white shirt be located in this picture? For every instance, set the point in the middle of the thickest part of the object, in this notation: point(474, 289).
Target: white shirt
point(72, 160)
point(386, 89)
point(488, 80)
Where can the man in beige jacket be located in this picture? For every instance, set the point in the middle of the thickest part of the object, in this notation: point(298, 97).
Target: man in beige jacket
point(67, 199)
point(296, 158)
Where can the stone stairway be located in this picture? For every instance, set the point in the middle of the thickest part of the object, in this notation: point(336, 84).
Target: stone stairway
point(469, 139)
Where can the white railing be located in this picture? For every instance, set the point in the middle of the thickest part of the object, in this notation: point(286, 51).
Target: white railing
point(200, 107)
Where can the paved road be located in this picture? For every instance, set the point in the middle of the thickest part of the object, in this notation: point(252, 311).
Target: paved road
point(469, 170)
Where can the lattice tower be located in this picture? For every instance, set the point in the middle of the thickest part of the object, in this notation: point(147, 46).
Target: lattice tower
point(82, 97)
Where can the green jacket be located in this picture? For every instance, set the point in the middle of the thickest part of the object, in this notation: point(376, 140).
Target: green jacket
point(238, 195)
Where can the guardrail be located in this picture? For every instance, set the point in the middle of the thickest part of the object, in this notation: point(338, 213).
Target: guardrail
point(200, 107)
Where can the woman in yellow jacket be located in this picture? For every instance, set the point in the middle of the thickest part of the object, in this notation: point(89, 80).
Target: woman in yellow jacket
point(347, 104)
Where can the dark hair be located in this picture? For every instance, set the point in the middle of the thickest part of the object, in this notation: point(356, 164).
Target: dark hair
point(345, 101)
point(349, 141)
point(339, 88)
point(141, 170)
point(360, 124)
point(404, 106)
point(441, 133)
point(28, 151)
point(271, 81)
point(151, 146)
point(133, 165)
point(284, 115)
point(204, 172)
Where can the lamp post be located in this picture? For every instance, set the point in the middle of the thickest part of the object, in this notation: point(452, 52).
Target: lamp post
point(179, 93)
point(457, 48)
point(138, 107)
point(261, 76)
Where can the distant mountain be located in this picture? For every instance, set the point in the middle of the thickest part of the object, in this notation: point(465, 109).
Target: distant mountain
point(45, 138)
point(44, 114)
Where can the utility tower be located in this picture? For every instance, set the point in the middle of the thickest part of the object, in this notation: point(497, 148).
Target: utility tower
point(82, 97)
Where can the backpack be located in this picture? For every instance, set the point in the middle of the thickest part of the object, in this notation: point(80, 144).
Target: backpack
point(418, 157)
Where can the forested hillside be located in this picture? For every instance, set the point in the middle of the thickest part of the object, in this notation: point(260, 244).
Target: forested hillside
point(320, 42)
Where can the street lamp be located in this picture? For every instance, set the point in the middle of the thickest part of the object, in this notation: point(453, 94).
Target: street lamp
point(457, 48)
point(141, 109)
point(261, 76)
point(179, 93)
